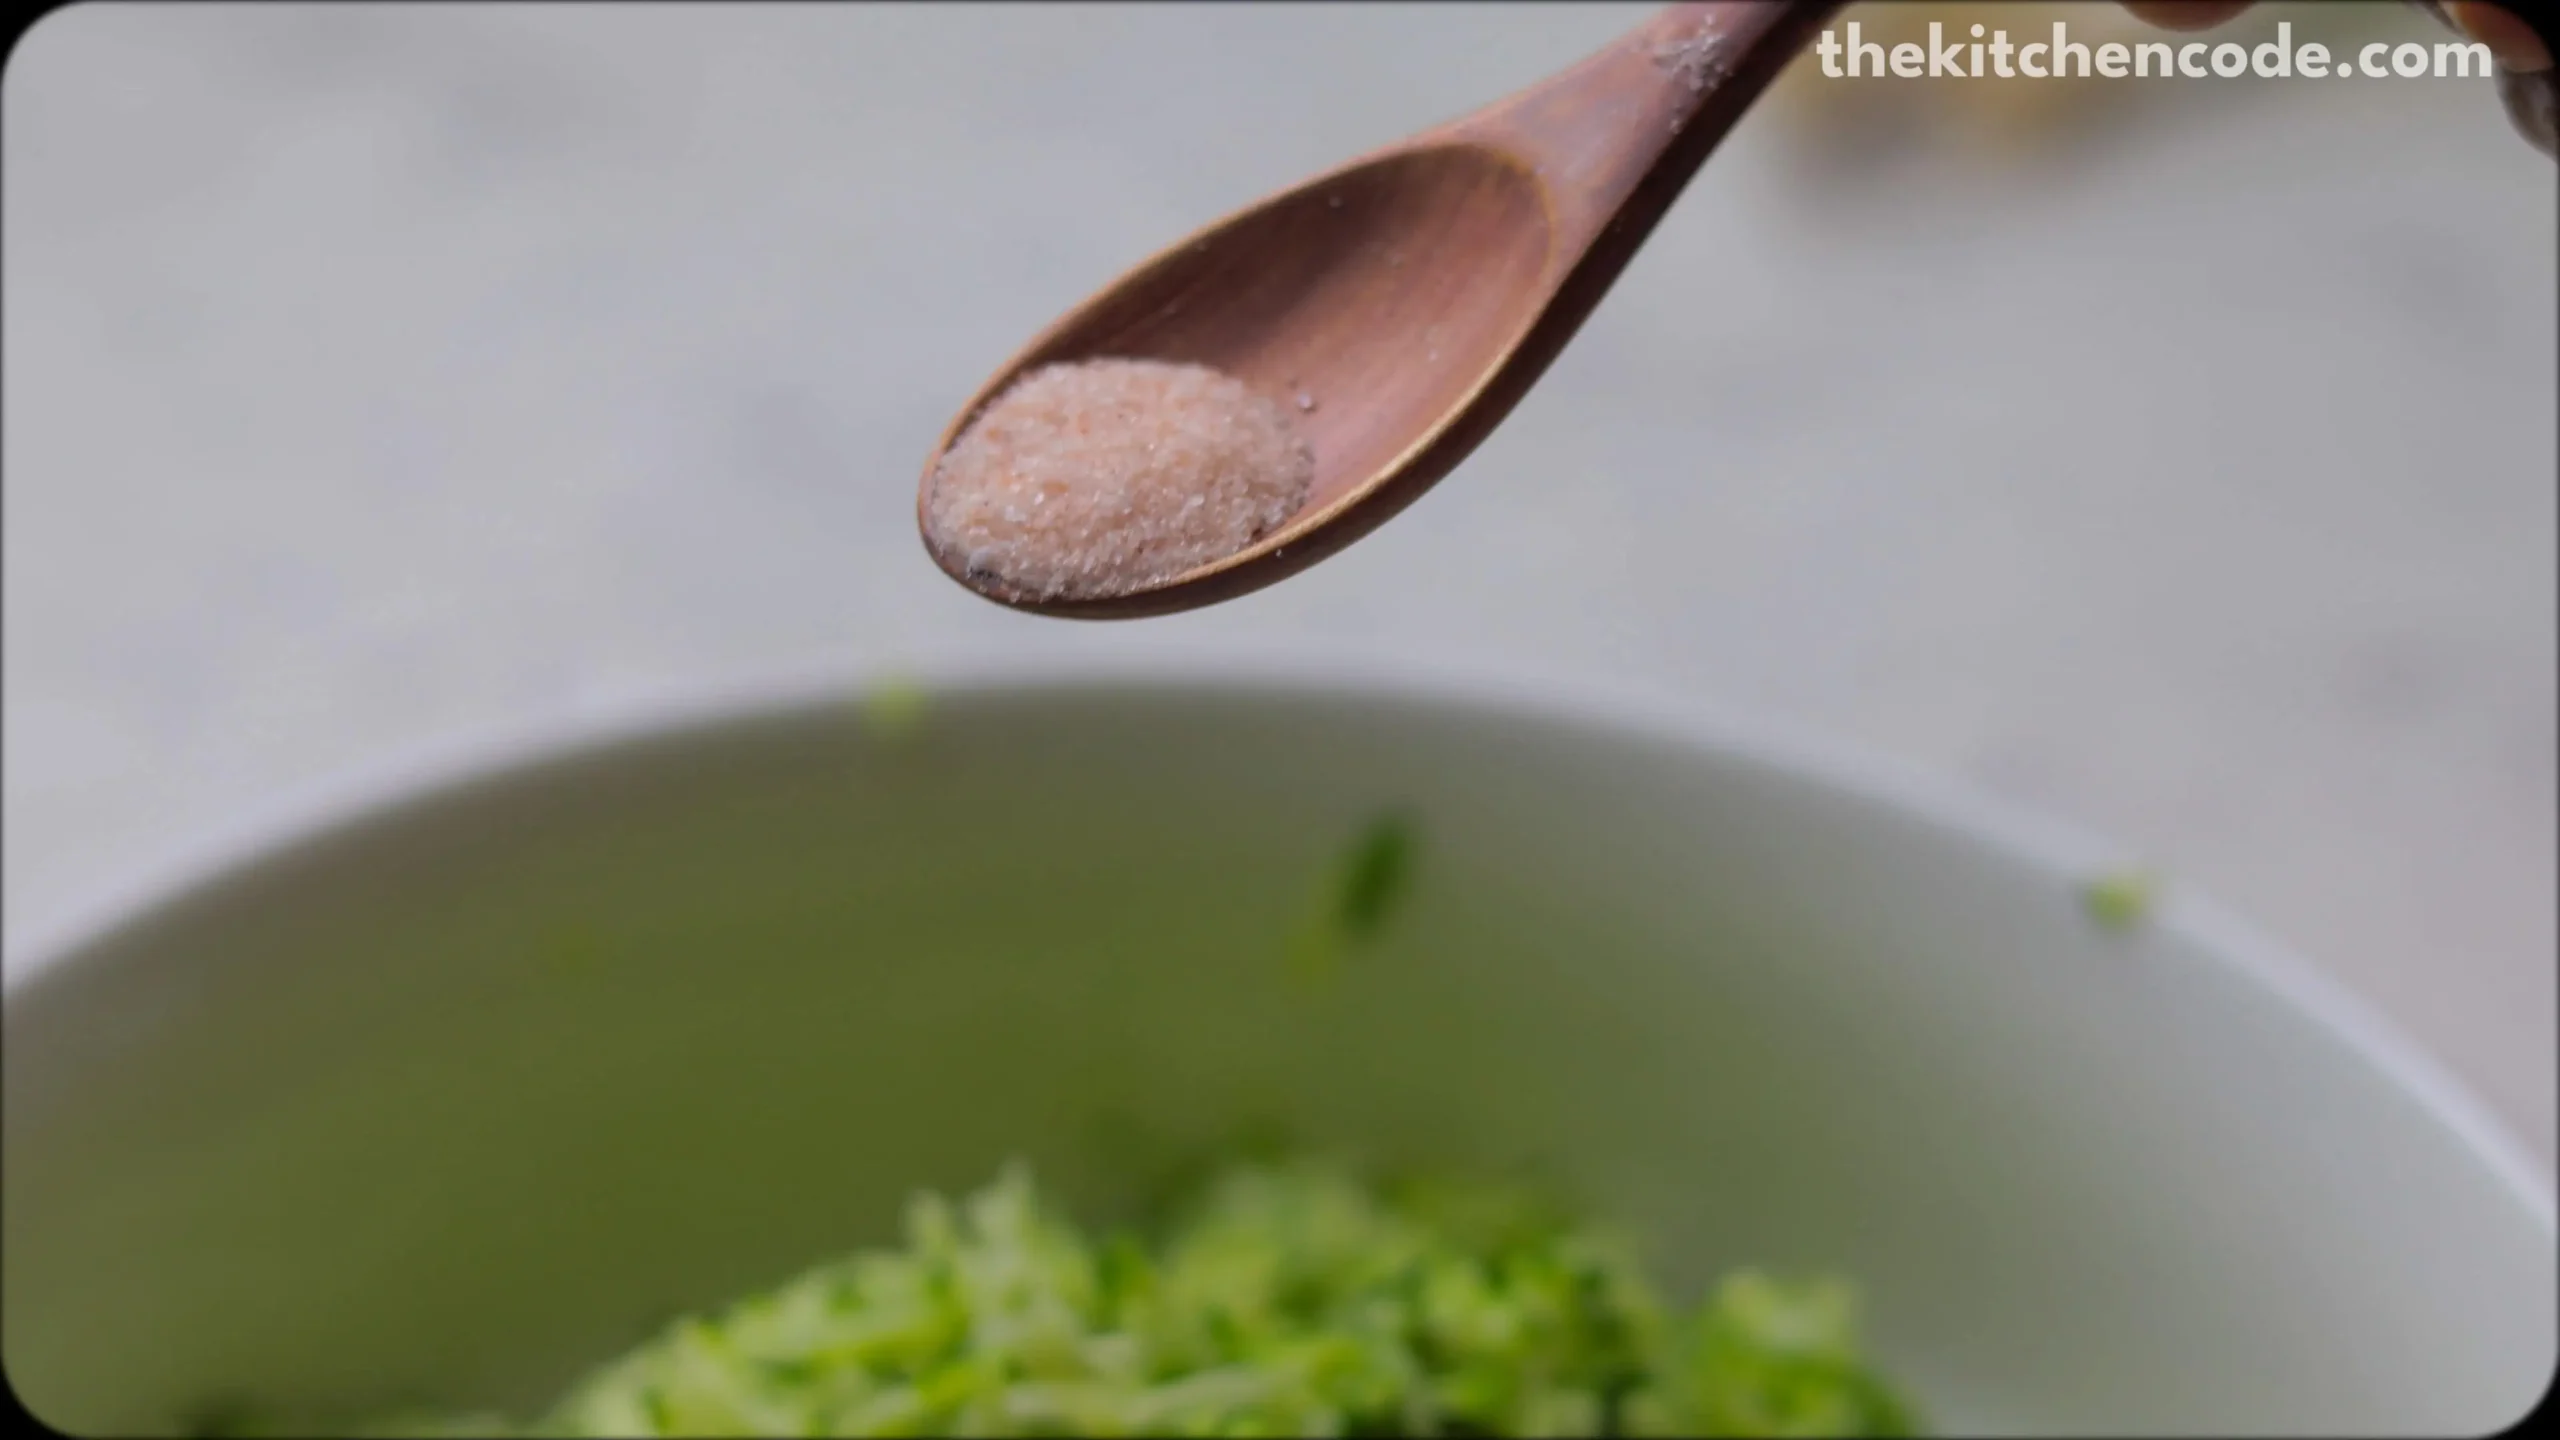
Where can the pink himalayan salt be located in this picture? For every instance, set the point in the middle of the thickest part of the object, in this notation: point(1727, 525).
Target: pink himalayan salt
point(1102, 477)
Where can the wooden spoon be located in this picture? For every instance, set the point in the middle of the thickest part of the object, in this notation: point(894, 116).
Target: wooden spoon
point(1415, 294)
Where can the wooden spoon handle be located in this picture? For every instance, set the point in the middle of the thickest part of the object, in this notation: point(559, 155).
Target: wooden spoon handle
point(1615, 138)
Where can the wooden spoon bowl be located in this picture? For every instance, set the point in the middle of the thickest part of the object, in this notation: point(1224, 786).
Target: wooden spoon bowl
point(1414, 295)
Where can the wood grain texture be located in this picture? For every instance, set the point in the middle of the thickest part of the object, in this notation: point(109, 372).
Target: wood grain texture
point(1416, 294)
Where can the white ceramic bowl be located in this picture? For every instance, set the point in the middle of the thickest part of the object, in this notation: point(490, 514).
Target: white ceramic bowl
point(447, 1100)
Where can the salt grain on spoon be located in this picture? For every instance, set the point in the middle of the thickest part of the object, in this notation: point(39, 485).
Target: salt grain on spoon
point(1105, 476)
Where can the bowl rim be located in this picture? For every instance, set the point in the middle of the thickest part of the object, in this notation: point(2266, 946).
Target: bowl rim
point(1598, 707)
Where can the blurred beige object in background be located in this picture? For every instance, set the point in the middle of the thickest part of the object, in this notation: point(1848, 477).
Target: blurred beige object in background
point(2018, 116)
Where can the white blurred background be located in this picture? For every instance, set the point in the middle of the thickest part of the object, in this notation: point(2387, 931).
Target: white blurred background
point(2177, 459)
